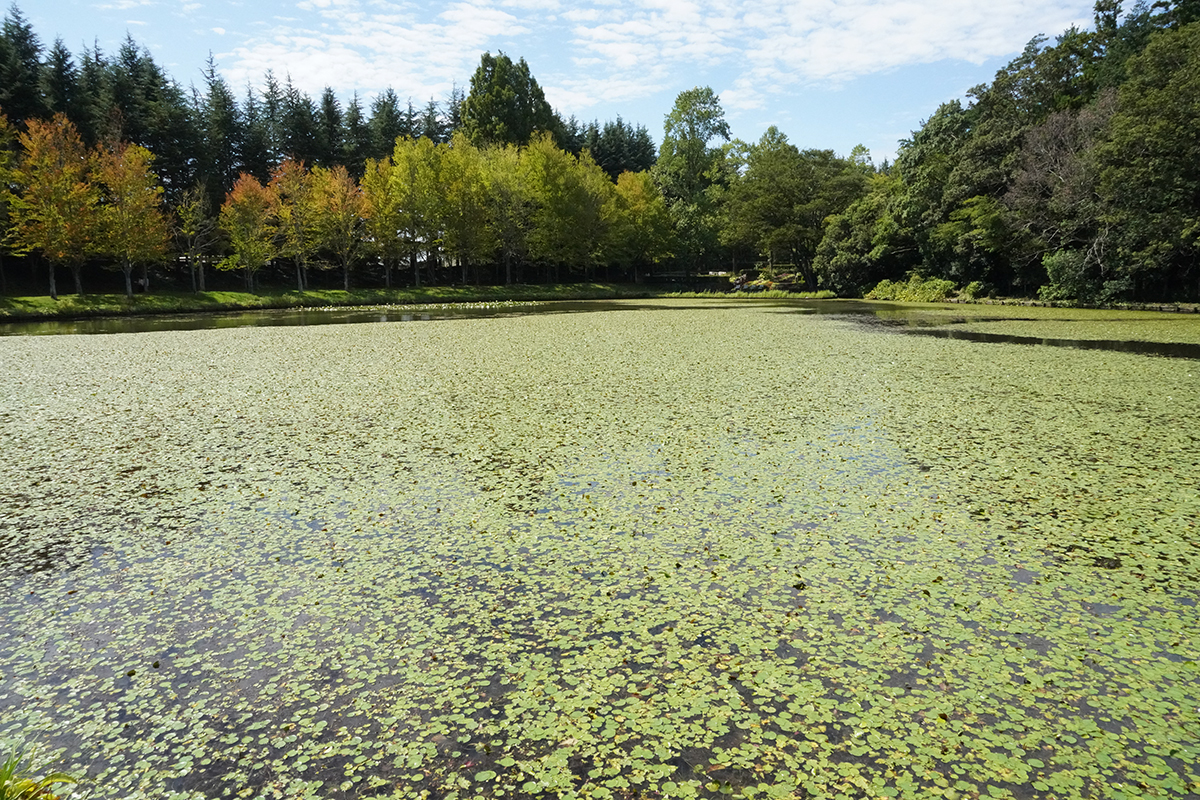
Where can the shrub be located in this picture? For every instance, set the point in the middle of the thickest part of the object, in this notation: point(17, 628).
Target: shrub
point(916, 290)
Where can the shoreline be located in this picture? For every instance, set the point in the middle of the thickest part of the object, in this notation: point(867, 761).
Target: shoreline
point(39, 308)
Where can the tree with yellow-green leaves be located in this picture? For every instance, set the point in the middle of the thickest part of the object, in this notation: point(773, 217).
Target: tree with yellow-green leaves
point(295, 216)
point(570, 195)
point(642, 231)
point(510, 206)
point(55, 209)
point(467, 238)
point(195, 231)
point(132, 228)
point(416, 184)
point(382, 216)
point(339, 210)
point(248, 220)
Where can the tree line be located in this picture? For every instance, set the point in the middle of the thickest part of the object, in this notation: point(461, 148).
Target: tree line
point(1073, 175)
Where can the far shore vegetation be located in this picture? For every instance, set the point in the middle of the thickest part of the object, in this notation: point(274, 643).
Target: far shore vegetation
point(1073, 177)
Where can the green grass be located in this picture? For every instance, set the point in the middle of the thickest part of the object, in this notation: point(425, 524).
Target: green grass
point(72, 306)
point(19, 781)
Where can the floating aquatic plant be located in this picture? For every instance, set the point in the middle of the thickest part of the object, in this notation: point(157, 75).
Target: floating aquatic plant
point(679, 550)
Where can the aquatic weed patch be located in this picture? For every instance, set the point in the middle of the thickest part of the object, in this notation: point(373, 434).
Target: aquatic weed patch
point(668, 553)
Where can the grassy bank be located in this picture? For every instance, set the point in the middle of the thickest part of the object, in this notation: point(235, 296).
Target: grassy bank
point(71, 306)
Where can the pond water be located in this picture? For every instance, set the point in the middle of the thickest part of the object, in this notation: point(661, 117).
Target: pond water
point(664, 548)
point(923, 319)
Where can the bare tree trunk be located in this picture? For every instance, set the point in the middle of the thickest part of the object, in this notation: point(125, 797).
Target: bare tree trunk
point(299, 277)
point(346, 276)
point(387, 273)
point(145, 278)
point(416, 268)
point(76, 273)
point(200, 269)
point(127, 268)
point(53, 286)
point(192, 271)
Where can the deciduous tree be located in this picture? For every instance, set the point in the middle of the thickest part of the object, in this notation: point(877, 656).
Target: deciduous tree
point(296, 213)
point(247, 218)
point(56, 209)
point(339, 212)
point(132, 229)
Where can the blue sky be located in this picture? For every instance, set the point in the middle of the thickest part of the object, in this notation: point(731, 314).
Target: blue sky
point(829, 74)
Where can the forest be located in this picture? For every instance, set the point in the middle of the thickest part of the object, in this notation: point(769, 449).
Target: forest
point(1074, 175)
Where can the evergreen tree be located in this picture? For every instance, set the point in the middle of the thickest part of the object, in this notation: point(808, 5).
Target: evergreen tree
point(300, 135)
point(256, 156)
point(329, 130)
point(386, 124)
point(222, 135)
point(60, 83)
point(431, 123)
point(274, 102)
point(410, 121)
point(505, 104)
point(454, 104)
point(20, 70)
point(95, 95)
point(356, 138)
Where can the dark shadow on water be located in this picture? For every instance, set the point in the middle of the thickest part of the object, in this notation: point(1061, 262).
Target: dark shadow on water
point(1165, 349)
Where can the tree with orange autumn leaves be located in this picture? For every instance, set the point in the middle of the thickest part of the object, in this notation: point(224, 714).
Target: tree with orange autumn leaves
point(71, 204)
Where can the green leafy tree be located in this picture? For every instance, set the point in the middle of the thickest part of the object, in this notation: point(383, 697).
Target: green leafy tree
point(247, 219)
point(868, 242)
point(642, 232)
point(133, 229)
point(1150, 169)
point(505, 104)
point(56, 209)
point(779, 204)
point(570, 197)
point(685, 171)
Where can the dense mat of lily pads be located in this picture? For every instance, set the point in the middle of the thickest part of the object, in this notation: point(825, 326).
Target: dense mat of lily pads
point(671, 551)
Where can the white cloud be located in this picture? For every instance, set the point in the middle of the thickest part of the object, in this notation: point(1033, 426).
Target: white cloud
point(124, 5)
point(613, 50)
point(219, 31)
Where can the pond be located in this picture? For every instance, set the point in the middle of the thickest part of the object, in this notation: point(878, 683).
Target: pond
point(665, 548)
